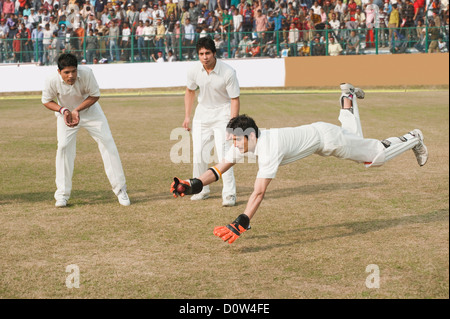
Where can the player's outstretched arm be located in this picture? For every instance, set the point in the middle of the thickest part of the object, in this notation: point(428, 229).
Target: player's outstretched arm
point(195, 185)
point(232, 231)
point(189, 98)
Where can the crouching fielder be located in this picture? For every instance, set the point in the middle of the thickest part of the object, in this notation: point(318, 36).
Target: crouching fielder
point(281, 146)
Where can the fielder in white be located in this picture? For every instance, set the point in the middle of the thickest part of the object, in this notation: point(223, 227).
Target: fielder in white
point(281, 146)
point(218, 101)
point(73, 94)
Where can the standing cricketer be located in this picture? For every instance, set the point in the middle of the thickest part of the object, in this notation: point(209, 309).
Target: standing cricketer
point(73, 94)
point(218, 101)
point(282, 146)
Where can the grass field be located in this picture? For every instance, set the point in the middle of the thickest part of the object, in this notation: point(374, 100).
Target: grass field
point(323, 220)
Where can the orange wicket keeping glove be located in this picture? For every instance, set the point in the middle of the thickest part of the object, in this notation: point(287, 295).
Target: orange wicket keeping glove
point(232, 231)
point(189, 187)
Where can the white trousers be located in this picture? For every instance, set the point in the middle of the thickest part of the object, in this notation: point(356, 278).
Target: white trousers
point(94, 121)
point(348, 142)
point(209, 132)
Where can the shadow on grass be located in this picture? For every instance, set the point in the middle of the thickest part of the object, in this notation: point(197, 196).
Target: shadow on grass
point(320, 233)
point(81, 197)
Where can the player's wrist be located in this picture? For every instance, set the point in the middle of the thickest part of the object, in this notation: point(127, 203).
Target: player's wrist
point(63, 109)
point(196, 185)
point(217, 173)
point(242, 220)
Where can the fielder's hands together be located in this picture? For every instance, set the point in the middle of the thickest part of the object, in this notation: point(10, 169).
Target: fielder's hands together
point(75, 118)
point(71, 118)
point(232, 231)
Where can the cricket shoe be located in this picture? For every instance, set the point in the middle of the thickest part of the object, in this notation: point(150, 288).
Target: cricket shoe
point(229, 201)
point(347, 88)
point(200, 196)
point(123, 198)
point(420, 150)
point(61, 203)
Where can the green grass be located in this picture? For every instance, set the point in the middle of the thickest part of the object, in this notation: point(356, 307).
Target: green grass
point(322, 222)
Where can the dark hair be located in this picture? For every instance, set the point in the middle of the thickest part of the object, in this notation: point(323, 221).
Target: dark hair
point(206, 43)
point(67, 59)
point(243, 125)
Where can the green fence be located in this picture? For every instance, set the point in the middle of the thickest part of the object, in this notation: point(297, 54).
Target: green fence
point(95, 49)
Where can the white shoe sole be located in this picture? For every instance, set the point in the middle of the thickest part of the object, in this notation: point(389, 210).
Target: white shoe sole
point(61, 204)
point(202, 197)
point(422, 157)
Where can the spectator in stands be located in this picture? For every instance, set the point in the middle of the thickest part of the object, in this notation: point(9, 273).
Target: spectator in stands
point(318, 48)
point(125, 41)
point(47, 41)
point(160, 35)
point(133, 17)
point(171, 8)
point(335, 25)
point(17, 48)
point(339, 8)
point(37, 37)
point(215, 25)
point(323, 16)
point(316, 8)
point(139, 37)
point(27, 47)
point(433, 34)
point(160, 58)
point(351, 6)
point(2, 41)
point(99, 6)
point(91, 46)
point(189, 38)
point(334, 47)
point(170, 56)
point(226, 21)
point(113, 41)
point(255, 50)
point(55, 48)
point(247, 24)
point(194, 13)
point(421, 32)
point(393, 24)
point(294, 37)
point(419, 10)
point(149, 33)
point(237, 26)
point(316, 20)
point(270, 49)
point(8, 7)
point(399, 43)
point(353, 43)
point(372, 18)
point(442, 45)
point(407, 17)
point(220, 45)
point(244, 47)
point(382, 27)
point(260, 24)
point(305, 50)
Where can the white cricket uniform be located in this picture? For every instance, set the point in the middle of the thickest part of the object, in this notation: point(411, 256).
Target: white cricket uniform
point(92, 119)
point(281, 146)
point(211, 117)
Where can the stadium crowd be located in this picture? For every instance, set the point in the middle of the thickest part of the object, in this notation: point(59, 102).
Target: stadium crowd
point(98, 31)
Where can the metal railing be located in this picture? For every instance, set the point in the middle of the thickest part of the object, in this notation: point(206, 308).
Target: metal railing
point(135, 48)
